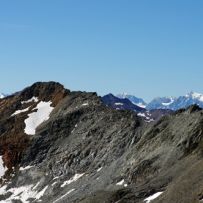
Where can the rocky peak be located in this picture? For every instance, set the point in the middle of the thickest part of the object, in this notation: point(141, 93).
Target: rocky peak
point(45, 91)
point(37, 100)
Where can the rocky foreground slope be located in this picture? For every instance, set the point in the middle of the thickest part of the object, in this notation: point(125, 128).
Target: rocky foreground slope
point(60, 146)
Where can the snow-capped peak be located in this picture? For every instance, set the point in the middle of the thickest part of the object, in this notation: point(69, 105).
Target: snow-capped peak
point(195, 95)
point(123, 95)
point(135, 100)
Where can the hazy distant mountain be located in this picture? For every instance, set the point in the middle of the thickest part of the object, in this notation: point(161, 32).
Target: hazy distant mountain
point(2, 95)
point(172, 103)
point(176, 103)
point(187, 100)
point(135, 100)
point(160, 103)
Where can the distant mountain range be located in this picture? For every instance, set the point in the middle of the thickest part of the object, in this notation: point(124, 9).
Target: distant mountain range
point(172, 103)
point(155, 109)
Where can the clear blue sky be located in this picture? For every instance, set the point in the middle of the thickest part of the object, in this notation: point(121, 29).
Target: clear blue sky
point(147, 48)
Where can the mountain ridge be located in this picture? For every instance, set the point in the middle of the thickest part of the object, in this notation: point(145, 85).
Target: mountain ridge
point(172, 103)
point(87, 152)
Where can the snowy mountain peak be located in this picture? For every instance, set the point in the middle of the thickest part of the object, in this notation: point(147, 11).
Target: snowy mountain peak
point(123, 95)
point(135, 100)
point(174, 103)
point(195, 95)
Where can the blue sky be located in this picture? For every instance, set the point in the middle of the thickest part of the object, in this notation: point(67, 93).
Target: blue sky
point(147, 48)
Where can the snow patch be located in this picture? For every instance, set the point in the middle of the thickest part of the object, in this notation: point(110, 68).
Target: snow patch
point(119, 104)
point(73, 179)
point(20, 111)
point(23, 193)
point(35, 187)
point(25, 168)
point(54, 183)
point(168, 103)
point(122, 182)
point(3, 190)
point(2, 168)
point(99, 169)
point(141, 114)
point(41, 193)
point(140, 105)
point(57, 177)
point(36, 118)
point(85, 104)
point(33, 99)
point(150, 120)
point(72, 190)
point(152, 197)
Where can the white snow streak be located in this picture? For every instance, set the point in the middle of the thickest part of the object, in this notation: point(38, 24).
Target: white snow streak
point(41, 193)
point(85, 104)
point(64, 195)
point(99, 169)
point(152, 197)
point(141, 115)
point(73, 179)
point(33, 99)
point(20, 111)
point(25, 168)
point(2, 168)
point(122, 182)
point(119, 104)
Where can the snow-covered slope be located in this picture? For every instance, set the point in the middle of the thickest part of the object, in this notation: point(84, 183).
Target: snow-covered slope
point(2, 167)
point(160, 103)
point(36, 118)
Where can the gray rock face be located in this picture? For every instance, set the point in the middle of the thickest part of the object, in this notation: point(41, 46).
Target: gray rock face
point(89, 153)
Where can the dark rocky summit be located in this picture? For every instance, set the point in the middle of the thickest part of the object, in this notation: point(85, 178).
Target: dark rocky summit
point(120, 103)
point(87, 152)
